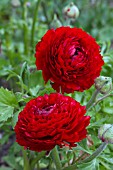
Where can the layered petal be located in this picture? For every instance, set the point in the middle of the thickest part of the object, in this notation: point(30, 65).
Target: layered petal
point(51, 120)
point(70, 58)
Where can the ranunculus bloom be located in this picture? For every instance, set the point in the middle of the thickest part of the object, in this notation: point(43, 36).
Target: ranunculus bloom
point(51, 120)
point(70, 58)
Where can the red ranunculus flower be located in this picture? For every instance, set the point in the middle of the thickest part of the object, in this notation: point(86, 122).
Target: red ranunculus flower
point(51, 120)
point(70, 58)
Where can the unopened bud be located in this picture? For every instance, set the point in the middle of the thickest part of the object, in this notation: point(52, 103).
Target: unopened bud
point(56, 22)
point(71, 11)
point(103, 84)
point(28, 4)
point(15, 3)
point(105, 133)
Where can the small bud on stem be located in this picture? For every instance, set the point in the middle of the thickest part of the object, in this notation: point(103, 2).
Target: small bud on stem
point(71, 12)
point(105, 133)
point(103, 84)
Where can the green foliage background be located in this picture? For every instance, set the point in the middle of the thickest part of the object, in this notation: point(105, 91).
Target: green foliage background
point(20, 81)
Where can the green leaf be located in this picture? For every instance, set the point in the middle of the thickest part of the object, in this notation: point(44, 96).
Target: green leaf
point(23, 69)
point(5, 112)
point(47, 90)
point(97, 123)
point(105, 165)
point(11, 161)
point(15, 117)
point(93, 165)
point(105, 158)
point(4, 67)
point(5, 168)
point(35, 90)
point(108, 110)
point(82, 146)
point(4, 139)
point(8, 102)
point(107, 32)
point(7, 97)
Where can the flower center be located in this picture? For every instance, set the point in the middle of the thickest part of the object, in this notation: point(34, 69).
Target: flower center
point(76, 53)
point(46, 109)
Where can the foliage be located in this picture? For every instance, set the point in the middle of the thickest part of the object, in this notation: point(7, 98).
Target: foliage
point(20, 81)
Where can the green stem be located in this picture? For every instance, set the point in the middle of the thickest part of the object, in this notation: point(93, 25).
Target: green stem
point(38, 167)
point(34, 161)
point(56, 159)
point(91, 101)
point(100, 99)
point(71, 167)
point(79, 158)
point(68, 22)
point(96, 153)
point(34, 21)
point(50, 165)
point(90, 158)
point(43, 4)
point(25, 28)
point(26, 161)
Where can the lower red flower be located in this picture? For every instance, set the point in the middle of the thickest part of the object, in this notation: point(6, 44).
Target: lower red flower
point(51, 120)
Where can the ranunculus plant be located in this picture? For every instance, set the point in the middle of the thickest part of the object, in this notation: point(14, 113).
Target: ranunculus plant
point(52, 114)
point(70, 58)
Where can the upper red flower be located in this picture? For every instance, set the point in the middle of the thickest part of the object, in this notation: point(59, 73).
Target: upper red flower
point(70, 58)
point(51, 120)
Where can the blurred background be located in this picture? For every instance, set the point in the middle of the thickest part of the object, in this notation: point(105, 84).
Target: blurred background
point(22, 24)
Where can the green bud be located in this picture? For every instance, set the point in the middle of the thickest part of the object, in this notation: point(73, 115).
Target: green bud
point(55, 23)
point(15, 3)
point(105, 133)
point(103, 84)
point(71, 11)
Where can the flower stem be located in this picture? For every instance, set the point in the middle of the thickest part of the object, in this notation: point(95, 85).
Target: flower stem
point(100, 99)
point(43, 4)
point(34, 21)
point(79, 158)
point(25, 28)
point(35, 160)
point(71, 167)
point(38, 167)
point(90, 158)
point(56, 159)
point(91, 101)
point(96, 153)
point(26, 161)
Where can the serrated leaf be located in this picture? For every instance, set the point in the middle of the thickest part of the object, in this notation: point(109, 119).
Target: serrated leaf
point(5, 112)
point(7, 97)
point(8, 102)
